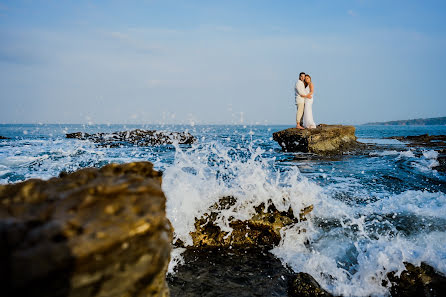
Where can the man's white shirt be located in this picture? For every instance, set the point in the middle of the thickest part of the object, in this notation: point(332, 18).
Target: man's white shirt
point(300, 90)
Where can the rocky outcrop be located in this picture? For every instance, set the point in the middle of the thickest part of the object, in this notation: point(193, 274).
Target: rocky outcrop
point(262, 230)
point(417, 281)
point(323, 140)
point(136, 137)
point(424, 140)
point(3, 137)
point(94, 232)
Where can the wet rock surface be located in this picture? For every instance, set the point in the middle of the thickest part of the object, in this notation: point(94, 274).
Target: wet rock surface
point(94, 232)
point(3, 137)
point(417, 281)
point(323, 140)
point(136, 137)
point(225, 272)
point(262, 230)
point(236, 264)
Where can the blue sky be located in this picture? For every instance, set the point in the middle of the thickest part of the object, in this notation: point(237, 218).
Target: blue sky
point(220, 62)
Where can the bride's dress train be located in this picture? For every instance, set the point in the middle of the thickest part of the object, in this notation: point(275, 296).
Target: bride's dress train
point(308, 114)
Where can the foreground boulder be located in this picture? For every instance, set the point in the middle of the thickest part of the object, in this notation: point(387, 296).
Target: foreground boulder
point(262, 230)
point(94, 232)
point(136, 137)
point(323, 140)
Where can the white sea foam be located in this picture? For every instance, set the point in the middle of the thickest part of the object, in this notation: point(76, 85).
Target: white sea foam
point(352, 258)
point(202, 175)
point(47, 158)
point(407, 154)
point(419, 203)
point(175, 259)
point(373, 259)
point(399, 154)
point(4, 170)
point(21, 160)
point(427, 161)
point(424, 162)
point(351, 255)
point(381, 141)
point(348, 247)
point(384, 153)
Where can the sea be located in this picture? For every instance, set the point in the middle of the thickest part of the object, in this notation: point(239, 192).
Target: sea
point(373, 210)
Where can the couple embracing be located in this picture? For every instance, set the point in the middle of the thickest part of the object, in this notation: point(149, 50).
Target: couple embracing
point(304, 90)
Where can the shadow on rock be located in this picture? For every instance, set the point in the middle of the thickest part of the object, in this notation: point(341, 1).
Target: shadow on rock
point(226, 272)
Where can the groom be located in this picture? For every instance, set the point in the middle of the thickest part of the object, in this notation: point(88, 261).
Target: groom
point(299, 90)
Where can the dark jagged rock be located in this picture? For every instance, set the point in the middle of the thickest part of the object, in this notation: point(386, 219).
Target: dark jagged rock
point(94, 232)
point(136, 137)
point(304, 285)
point(229, 272)
point(417, 281)
point(323, 140)
point(238, 272)
point(262, 230)
point(3, 137)
point(424, 140)
point(441, 161)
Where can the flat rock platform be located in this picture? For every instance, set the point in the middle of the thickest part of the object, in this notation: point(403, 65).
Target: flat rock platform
point(323, 140)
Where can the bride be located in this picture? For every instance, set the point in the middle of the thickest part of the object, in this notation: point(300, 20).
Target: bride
point(308, 109)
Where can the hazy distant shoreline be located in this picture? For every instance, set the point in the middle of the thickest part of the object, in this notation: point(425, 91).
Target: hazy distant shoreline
point(418, 122)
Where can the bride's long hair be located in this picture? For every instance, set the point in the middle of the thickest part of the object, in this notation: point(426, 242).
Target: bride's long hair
point(305, 81)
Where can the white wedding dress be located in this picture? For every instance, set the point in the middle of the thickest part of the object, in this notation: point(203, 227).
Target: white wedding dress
point(308, 112)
